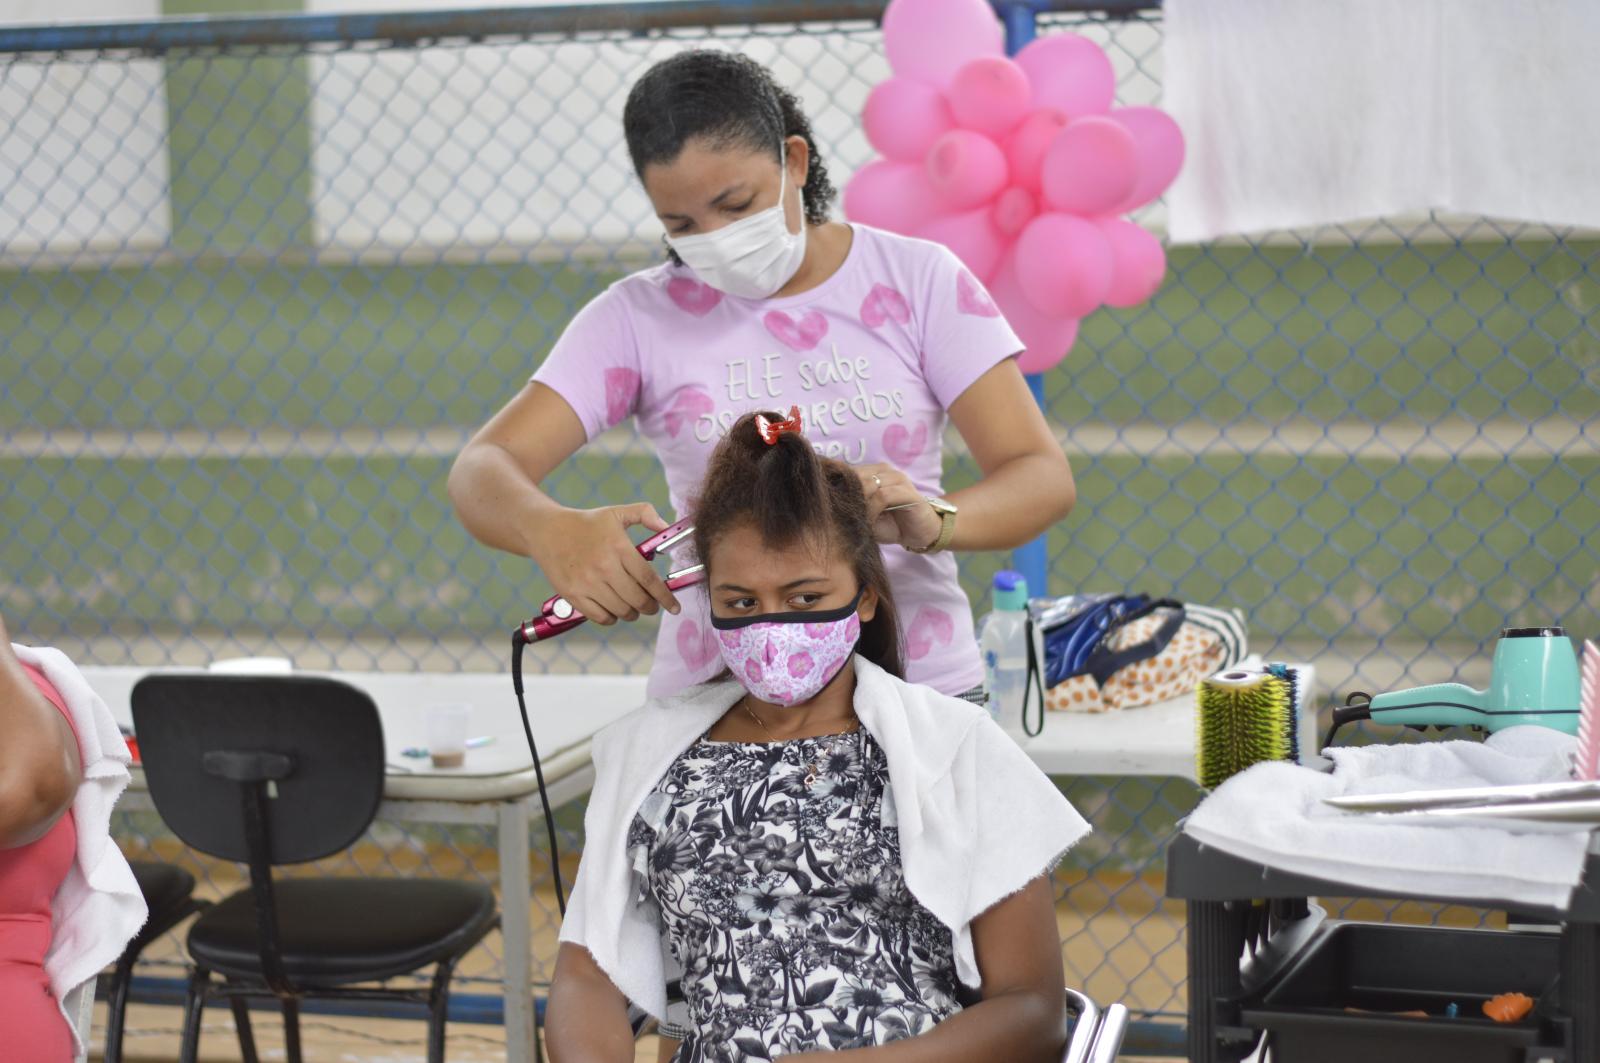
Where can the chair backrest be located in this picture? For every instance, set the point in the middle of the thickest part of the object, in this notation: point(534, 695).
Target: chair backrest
point(318, 741)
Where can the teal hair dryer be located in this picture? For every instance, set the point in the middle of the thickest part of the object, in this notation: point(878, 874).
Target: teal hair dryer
point(1533, 679)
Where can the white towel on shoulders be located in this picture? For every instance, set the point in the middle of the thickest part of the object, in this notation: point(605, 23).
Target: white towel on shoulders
point(977, 820)
point(1273, 814)
point(99, 907)
point(1299, 113)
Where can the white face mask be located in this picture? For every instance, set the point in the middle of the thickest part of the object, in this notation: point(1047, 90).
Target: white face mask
point(751, 258)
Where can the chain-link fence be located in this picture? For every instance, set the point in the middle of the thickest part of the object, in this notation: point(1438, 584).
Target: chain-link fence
point(259, 282)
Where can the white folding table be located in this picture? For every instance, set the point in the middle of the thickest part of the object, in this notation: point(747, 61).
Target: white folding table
point(1156, 740)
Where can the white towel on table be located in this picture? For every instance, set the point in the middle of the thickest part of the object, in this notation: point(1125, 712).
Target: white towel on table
point(1273, 814)
point(99, 907)
point(1300, 113)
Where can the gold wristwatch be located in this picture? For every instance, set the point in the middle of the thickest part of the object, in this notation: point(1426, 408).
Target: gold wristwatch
point(947, 526)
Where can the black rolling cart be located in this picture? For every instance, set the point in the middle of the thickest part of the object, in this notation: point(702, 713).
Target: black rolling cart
point(1263, 961)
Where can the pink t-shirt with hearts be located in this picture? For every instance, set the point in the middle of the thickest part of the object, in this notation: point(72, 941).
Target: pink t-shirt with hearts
point(873, 356)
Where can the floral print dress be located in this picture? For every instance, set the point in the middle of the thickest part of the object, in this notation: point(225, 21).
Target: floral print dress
point(784, 902)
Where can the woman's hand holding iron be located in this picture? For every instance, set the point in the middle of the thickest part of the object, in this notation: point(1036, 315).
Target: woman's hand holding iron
point(591, 561)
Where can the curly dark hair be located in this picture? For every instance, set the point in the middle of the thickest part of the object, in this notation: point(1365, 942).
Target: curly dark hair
point(789, 493)
point(729, 100)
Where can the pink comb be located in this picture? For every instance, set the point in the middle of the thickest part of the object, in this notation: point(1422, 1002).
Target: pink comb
point(1586, 765)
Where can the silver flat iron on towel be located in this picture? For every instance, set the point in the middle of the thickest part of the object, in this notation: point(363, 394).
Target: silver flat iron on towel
point(1531, 807)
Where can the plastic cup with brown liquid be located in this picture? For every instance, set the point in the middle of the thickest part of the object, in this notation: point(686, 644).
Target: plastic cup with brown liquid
point(447, 734)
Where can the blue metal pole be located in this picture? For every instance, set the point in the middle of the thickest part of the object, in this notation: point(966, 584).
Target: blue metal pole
point(1031, 559)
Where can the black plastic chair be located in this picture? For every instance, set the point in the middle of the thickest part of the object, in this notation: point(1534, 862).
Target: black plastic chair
point(271, 770)
point(169, 894)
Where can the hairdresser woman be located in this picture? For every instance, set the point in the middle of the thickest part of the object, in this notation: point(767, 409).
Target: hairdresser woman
point(766, 303)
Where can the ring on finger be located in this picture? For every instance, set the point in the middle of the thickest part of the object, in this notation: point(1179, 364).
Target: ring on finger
point(877, 481)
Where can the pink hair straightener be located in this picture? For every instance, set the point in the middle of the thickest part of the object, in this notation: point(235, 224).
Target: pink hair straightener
point(558, 615)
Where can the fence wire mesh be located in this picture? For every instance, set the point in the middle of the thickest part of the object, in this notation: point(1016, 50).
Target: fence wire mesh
point(254, 298)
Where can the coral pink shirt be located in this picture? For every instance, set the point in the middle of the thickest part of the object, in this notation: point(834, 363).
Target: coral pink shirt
point(874, 356)
point(35, 1029)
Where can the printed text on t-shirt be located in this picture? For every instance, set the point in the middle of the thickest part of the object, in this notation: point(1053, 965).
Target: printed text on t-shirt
point(751, 381)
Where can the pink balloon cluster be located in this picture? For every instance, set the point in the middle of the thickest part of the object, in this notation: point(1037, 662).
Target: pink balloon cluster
point(1020, 166)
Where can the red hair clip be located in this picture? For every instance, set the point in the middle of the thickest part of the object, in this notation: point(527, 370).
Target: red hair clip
point(771, 430)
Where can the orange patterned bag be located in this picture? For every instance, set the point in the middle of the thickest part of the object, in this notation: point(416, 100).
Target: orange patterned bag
point(1208, 641)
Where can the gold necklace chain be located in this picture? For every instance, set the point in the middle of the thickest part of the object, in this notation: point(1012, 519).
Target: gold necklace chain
point(814, 768)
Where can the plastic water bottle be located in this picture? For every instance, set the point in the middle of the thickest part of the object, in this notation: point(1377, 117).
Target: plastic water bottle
point(1002, 637)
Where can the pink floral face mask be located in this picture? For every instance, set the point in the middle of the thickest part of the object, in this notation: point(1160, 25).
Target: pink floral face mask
point(787, 658)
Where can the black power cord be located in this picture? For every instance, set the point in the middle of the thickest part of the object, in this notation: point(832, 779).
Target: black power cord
point(517, 644)
point(1355, 708)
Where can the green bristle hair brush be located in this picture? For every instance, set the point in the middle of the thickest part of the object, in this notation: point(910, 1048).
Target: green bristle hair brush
point(1245, 716)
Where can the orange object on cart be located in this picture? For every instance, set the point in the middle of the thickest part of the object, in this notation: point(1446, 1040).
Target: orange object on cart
point(1508, 1007)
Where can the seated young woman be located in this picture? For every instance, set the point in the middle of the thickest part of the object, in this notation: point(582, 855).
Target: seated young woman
point(822, 854)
